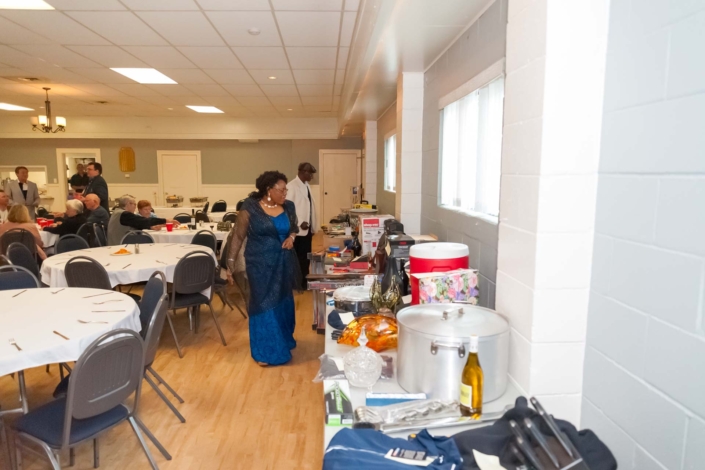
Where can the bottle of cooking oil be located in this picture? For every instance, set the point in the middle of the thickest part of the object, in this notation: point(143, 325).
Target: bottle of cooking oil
point(471, 383)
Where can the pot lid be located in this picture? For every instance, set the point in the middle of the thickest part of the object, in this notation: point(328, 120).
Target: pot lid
point(352, 293)
point(472, 320)
point(439, 250)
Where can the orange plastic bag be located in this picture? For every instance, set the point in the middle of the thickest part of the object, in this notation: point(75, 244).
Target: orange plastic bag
point(381, 332)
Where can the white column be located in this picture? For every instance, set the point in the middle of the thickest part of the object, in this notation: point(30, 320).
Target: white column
point(410, 87)
point(552, 120)
point(370, 162)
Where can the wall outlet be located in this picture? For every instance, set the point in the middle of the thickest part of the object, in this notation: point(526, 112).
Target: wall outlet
point(127, 175)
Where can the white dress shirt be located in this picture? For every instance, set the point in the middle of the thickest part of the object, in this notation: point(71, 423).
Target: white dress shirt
point(305, 210)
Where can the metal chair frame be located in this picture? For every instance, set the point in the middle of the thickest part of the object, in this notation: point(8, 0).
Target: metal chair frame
point(139, 234)
point(30, 263)
point(15, 268)
point(215, 204)
point(25, 238)
point(211, 237)
point(70, 239)
point(100, 234)
point(201, 216)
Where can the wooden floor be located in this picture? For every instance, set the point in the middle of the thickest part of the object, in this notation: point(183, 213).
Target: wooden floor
point(238, 415)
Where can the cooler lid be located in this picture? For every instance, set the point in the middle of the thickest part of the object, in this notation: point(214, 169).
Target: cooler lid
point(439, 250)
point(429, 319)
point(352, 294)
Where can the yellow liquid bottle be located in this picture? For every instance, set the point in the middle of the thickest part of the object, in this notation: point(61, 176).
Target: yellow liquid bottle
point(471, 383)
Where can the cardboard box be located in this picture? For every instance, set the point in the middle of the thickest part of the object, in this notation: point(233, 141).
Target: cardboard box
point(338, 240)
point(336, 399)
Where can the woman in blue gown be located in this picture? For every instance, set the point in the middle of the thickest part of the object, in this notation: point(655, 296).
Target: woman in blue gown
point(268, 222)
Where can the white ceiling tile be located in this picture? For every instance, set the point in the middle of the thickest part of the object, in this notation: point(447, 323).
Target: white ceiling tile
point(352, 5)
point(56, 26)
point(346, 32)
point(120, 27)
point(339, 76)
point(233, 27)
point(320, 108)
point(212, 57)
point(11, 33)
point(285, 100)
point(97, 89)
point(161, 56)
point(343, 57)
point(314, 77)
point(208, 90)
point(250, 101)
point(160, 100)
point(230, 77)
point(336, 101)
point(102, 75)
point(262, 57)
point(338, 89)
point(264, 111)
point(172, 5)
point(312, 57)
point(244, 90)
point(189, 100)
point(219, 101)
point(300, 28)
point(56, 55)
point(284, 76)
point(135, 89)
point(15, 58)
point(171, 91)
point(12, 72)
point(315, 90)
point(87, 5)
point(182, 28)
point(57, 74)
point(280, 90)
point(110, 56)
point(308, 5)
point(316, 100)
point(237, 111)
point(290, 111)
point(188, 76)
point(234, 5)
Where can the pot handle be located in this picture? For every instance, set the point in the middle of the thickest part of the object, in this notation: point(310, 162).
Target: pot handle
point(440, 344)
point(447, 312)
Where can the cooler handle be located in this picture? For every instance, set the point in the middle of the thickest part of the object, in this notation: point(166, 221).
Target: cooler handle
point(440, 344)
point(447, 312)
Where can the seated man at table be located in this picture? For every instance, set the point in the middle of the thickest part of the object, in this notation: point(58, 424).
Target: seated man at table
point(71, 221)
point(124, 220)
point(96, 213)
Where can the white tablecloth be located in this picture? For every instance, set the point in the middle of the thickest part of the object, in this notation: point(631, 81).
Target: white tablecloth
point(49, 239)
point(181, 236)
point(171, 212)
point(127, 269)
point(31, 318)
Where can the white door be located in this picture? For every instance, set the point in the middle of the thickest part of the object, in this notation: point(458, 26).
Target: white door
point(179, 174)
point(340, 172)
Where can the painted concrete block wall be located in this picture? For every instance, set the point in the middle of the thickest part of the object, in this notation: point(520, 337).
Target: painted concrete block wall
point(370, 162)
point(644, 378)
point(386, 200)
point(480, 46)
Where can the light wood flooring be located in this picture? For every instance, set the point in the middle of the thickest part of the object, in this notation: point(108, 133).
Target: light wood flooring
point(238, 415)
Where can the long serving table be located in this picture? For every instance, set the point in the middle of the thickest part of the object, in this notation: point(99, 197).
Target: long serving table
point(171, 212)
point(184, 236)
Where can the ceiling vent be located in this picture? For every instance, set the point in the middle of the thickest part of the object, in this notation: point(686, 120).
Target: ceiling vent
point(27, 79)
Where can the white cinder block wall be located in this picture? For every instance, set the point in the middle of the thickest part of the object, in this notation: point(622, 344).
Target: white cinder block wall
point(644, 378)
point(480, 46)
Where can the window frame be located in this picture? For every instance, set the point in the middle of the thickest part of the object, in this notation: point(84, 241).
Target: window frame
point(393, 158)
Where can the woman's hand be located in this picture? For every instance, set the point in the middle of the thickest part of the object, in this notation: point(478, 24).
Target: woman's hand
point(229, 275)
point(288, 243)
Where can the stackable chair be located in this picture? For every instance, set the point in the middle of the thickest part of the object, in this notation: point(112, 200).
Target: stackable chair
point(99, 231)
point(201, 216)
point(230, 217)
point(205, 238)
point(183, 218)
point(20, 255)
point(136, 236)
point(87, 232)
point(82, 271)
point(220, 206)
point(17, 277)
point(71, 242)
point(18, 235)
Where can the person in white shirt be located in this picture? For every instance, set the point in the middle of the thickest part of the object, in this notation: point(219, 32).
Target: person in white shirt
point(4, 202)
point(300, 194)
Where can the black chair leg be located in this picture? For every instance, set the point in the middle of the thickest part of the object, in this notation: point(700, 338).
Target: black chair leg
point(72, 457)
point(96, 453)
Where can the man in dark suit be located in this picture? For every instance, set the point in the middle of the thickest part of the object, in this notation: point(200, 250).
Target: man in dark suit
point(96, 185)
point(23, 192)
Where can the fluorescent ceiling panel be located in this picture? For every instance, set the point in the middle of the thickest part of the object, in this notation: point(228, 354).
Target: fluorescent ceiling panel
point(25, 5)
point(12, 107)
point(205, 109)
point(145, 75)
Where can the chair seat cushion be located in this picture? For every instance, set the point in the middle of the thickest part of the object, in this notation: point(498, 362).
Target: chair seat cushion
point(187, 300)
point(46, 423)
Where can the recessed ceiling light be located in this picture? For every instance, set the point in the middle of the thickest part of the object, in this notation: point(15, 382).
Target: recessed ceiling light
point(272, 77)
point(205, 109)
point(170, 109)
point(254, 31)
point(289, 109)
point(149, 76)
point(13, 107)
point(25, 5)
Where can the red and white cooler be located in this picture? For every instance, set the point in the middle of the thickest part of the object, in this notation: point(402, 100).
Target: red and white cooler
point(435, 258)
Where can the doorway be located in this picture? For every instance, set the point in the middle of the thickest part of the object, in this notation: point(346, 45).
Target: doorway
point(179, 174)
point(340, 173)
point(66, 161)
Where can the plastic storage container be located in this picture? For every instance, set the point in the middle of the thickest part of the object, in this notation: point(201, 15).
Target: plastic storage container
point(435, 258)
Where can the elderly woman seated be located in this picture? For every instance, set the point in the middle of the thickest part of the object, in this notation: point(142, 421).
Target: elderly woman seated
point(18, 217)
point(71, 221)
point(124, 219)
point(144, 208)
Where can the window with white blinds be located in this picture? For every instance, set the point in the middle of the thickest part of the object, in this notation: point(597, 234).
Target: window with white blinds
point(471, 150)
point(390, 163)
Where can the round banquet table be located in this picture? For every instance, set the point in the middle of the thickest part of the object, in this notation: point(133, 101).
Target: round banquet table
point(182, 236)
point(127, 269)
point(49, 239)
point(171, 212)
point(31, 316)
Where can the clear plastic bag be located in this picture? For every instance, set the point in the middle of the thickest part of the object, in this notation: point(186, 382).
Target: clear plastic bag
point(329, 368)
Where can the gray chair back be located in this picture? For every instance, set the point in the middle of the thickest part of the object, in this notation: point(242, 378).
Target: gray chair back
point(183, 218)
point(194, 273)
point(136, 236)
point(220, 206)
point(17, 277)
point(82, 271)
point(202, 217)
point(230, 217)
point(154, 330)
point(71, 242)
point(205, 238)
point(153, 291)
point(100, 234)
point(106, 374)
point(4, 261)
point(205, 207)
point(18, 235)
point(20, 255)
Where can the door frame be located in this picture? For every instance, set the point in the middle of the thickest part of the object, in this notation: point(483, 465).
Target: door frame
point(160, 175)
point(322, 183)
point(63, 182)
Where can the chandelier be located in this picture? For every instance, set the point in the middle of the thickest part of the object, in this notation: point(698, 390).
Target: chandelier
point(43, 123)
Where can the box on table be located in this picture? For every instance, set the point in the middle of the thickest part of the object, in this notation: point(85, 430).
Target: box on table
point(337, 240)
point(450, 286)
point(336, 398)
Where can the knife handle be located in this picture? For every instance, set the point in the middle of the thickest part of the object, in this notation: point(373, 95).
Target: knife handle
point(541, 441)
point(524, 445)
point(560, 437)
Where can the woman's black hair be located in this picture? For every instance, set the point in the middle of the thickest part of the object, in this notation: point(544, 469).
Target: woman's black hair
point(265, 182)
